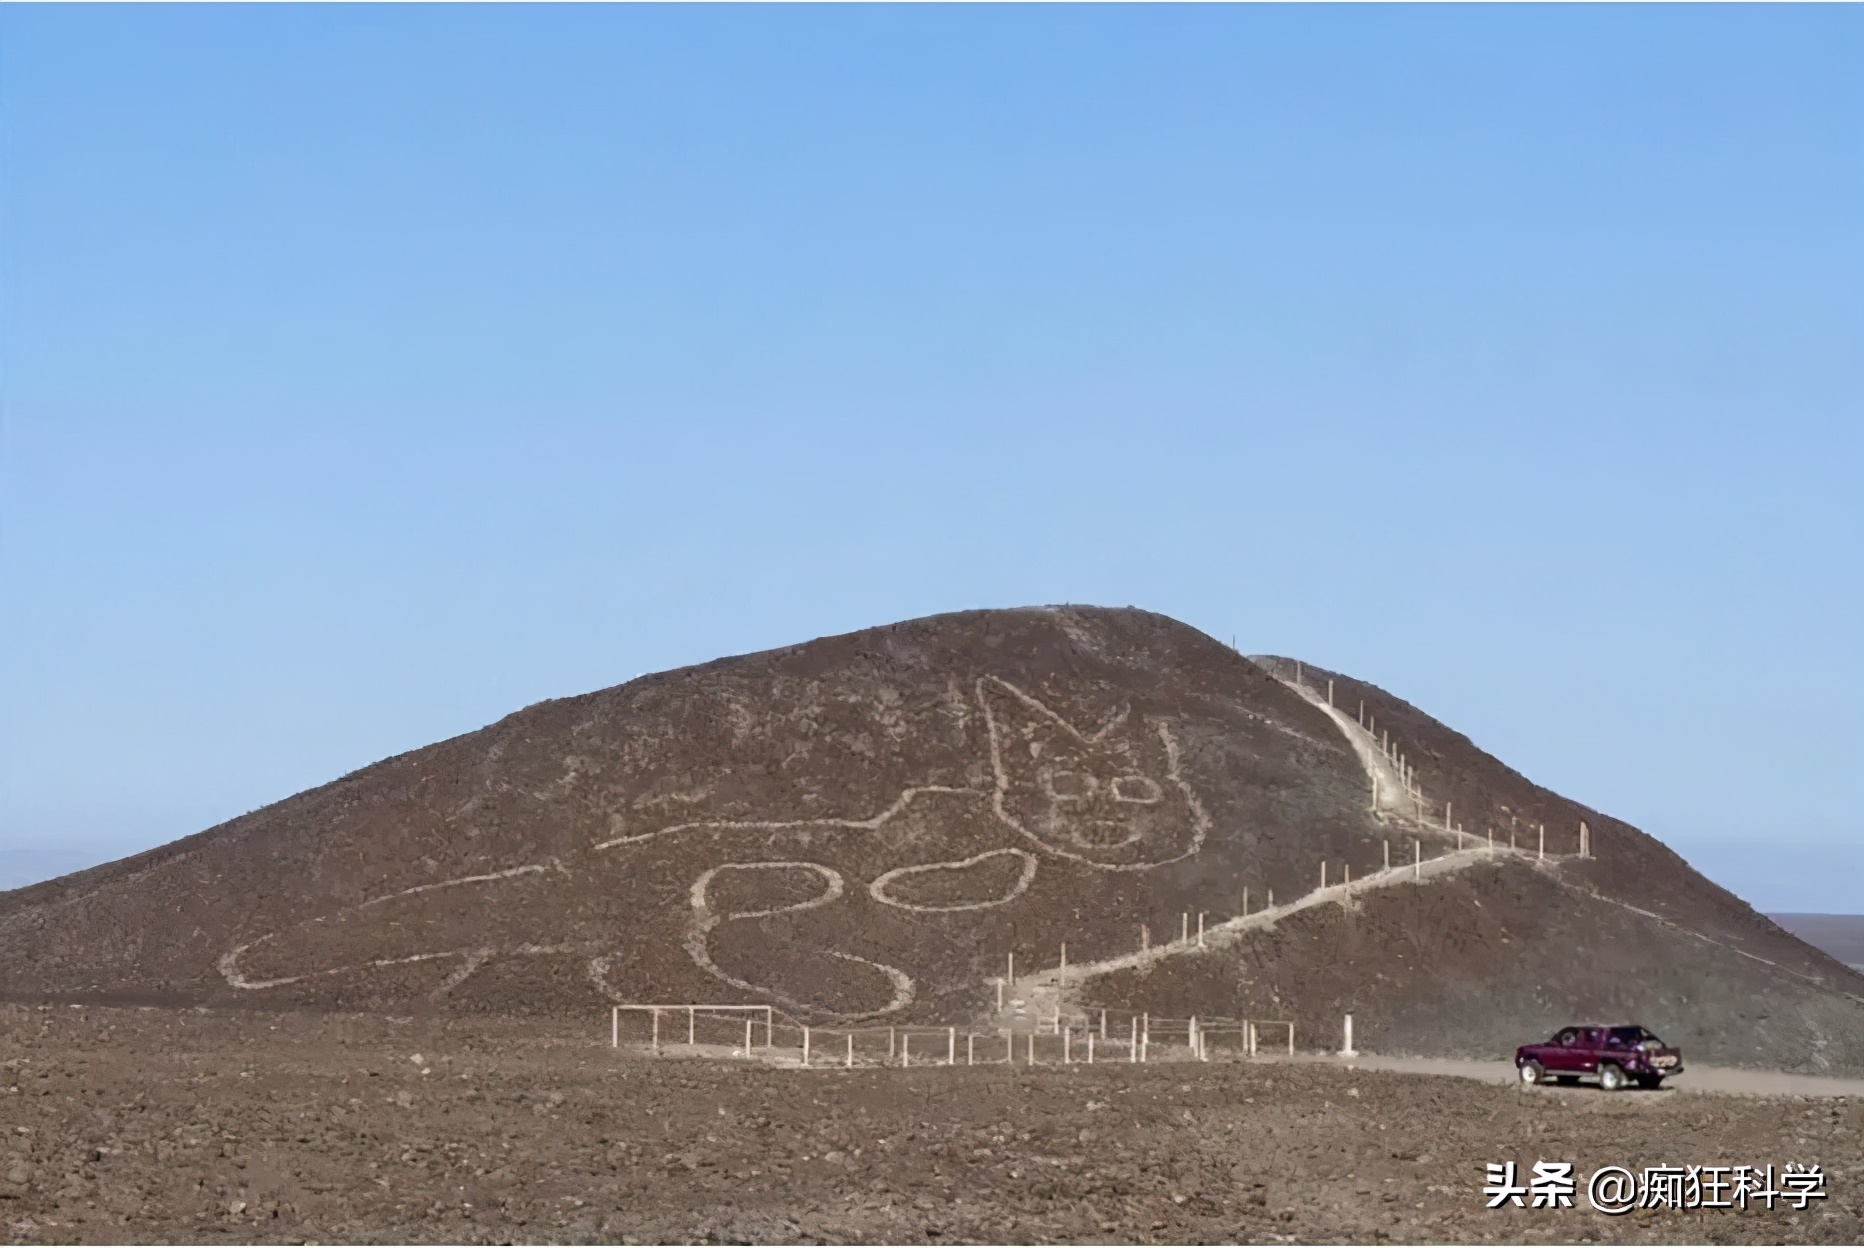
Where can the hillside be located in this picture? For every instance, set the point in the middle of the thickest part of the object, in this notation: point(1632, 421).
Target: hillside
point(1841, 935)
point(861, 827)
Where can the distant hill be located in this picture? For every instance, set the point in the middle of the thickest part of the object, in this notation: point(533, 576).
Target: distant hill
point(861, 827)
point(1841, 935)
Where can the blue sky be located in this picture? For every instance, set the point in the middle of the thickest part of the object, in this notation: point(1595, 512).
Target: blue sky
point(367, 373)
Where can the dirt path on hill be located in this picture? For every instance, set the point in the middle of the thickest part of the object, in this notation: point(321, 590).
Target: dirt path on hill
point(1391, 794)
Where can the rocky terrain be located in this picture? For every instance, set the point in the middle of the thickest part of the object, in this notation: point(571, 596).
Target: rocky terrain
point(127, 1125)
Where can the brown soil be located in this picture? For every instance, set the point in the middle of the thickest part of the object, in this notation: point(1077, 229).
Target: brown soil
point(865, 826)
point(127, 1125)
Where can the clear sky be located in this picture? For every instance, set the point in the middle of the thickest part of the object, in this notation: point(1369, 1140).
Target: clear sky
point(368, 373)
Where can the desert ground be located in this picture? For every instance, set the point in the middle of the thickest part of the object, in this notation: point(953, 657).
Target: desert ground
point(166, 1125)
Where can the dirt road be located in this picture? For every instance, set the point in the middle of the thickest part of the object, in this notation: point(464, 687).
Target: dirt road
point(1722, 1080)
point(151, 1125)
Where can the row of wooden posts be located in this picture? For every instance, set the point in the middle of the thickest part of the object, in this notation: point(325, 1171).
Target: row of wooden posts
point(1186, 934)
point(1089, 1048)
point(1408, 775)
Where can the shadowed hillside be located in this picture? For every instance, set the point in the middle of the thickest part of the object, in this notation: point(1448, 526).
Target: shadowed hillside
point(861, 827)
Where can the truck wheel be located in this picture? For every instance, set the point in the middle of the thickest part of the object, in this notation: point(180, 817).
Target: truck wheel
point(1651, 1082)
point(1533, 1072)
point(1611, 1077)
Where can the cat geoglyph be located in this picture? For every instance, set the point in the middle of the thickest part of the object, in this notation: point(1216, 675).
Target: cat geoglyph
point(1111, 800)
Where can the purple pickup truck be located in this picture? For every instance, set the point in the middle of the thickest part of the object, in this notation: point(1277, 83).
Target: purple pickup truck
point(1615, 1056)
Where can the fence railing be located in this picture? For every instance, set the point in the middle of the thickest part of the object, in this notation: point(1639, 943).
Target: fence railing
point(755, 1031)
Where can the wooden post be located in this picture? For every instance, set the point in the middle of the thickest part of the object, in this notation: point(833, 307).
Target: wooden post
point(851, 1050)
point(1388, 857)
point(1200, 929)
point(1190, 1035)
point(1347, 869)
point(1417, 861)
point(656, 1031)
point(1362, 712)
point(1585, 840)
point(1447, 808)
point(1032, 1048)
point(689, 1025)
point(1103, 1024)
point(1348, 1051)
point(1271, 899)
point(1249, 1037)
point(1067, 1054)
point(1012, 975)
point(906, 1049)
point(1184, 927)
point(1323, 873)
point(747, 1036)
point(1245, 901)
point(614, 1027)
point(1090, 1047)
point(1000, 996)
point(951, 1047)
point(1297, 671)
point(1064, 955)
point(805, 1044)
point(1329, 691)
point(1145, 938)
point(1132, 1046)
point(890, 1042)
point(1543, 839)
point(767, 1028)
point(1459, 840)
point(970, 1048)
point(1290, 1039)
point(1145, 1035)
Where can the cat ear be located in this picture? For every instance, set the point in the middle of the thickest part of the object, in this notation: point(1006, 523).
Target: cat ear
point(1013, 715)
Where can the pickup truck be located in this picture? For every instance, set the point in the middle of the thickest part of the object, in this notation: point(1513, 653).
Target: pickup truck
point(1615, 1056)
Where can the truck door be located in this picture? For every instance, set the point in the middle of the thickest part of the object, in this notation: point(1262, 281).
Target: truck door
point(1591, 1044)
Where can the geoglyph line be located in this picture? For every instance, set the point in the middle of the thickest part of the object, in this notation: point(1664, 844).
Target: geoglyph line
point(1005, 709)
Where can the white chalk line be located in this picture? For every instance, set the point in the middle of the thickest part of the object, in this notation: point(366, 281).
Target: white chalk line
point(1200, 821)
point(1028, 873)
point(703, 924)
point(899, 804)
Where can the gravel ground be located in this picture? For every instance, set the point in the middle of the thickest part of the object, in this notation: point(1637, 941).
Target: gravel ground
point(140, 1125)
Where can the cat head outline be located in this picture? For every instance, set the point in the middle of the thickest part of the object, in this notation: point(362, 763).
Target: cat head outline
point(1112, 799)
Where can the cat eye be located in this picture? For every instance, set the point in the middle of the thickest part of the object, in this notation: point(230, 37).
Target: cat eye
point(1141, 789)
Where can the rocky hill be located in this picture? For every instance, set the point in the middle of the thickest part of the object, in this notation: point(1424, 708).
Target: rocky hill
point(863, 827)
